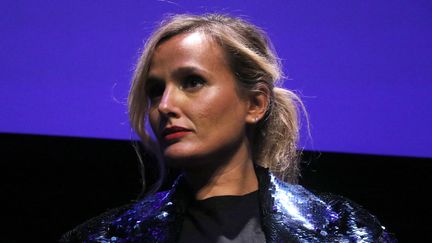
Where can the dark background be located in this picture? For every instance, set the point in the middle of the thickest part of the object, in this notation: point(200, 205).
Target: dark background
point(51, 184)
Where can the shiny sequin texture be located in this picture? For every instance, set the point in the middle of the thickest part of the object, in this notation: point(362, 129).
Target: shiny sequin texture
point(289, 213)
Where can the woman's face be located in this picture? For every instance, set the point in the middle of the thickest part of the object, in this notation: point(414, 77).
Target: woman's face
point(195, 108)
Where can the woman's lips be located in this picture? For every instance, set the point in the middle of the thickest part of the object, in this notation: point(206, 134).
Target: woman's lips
point(176, 135)
point(174, 132)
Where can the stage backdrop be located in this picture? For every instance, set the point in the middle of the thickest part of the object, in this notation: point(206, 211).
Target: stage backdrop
point(363, 68)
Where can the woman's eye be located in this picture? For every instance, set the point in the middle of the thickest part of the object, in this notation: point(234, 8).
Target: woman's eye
point(192, 82)
point(155, 90)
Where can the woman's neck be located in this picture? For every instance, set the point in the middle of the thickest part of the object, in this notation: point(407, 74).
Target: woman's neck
point(234, 176)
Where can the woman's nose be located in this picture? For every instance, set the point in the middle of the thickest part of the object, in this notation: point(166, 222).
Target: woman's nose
point(168, 104)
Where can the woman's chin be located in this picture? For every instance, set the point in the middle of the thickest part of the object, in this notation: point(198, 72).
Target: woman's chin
point(181, 157)
point(172, 153)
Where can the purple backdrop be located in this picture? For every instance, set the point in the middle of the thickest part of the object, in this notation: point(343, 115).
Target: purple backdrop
point(364, 68)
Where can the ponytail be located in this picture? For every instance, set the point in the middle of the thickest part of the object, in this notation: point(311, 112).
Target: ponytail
point(277, 137)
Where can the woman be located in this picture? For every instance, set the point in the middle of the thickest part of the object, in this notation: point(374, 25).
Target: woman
point(206, 84)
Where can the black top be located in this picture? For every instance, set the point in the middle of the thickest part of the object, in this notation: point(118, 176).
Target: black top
point(223, 219)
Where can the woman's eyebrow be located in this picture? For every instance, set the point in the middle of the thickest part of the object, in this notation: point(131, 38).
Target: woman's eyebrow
point(182, 71)
point(178, 73)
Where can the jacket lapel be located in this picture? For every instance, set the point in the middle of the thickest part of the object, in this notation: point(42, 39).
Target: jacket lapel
point(158, 218)
point(290, 212)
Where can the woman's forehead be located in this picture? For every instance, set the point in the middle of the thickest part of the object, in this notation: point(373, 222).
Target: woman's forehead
point(195, 40)
point(192, 48)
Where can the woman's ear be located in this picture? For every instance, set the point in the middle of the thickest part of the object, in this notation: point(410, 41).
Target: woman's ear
point(259, 100)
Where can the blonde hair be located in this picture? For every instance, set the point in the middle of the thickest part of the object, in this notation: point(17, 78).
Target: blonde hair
point(253, 61)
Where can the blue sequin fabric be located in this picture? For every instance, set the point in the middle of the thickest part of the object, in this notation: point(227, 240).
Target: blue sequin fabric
point(289, 213)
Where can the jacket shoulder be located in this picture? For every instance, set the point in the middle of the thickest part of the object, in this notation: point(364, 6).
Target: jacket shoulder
point(102, 226)
point(99, 224)
point(320, 217)
point(355, 221)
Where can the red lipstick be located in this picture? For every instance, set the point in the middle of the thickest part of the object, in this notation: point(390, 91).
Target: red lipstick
point(174, 132)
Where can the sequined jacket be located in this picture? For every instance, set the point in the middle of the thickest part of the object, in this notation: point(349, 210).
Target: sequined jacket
point(289, 213)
